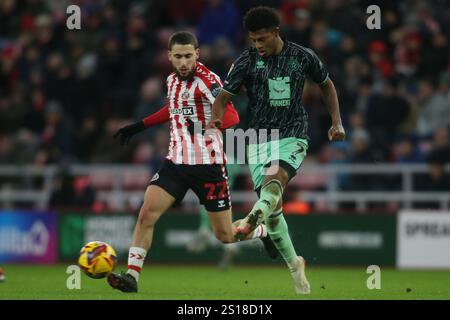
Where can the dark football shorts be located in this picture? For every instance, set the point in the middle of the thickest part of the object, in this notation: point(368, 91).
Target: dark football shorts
point(209, 182)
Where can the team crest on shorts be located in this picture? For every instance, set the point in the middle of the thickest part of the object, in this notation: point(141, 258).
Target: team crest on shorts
point(155, 177)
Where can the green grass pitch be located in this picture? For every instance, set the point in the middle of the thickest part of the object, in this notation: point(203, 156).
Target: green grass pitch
point(175, 282)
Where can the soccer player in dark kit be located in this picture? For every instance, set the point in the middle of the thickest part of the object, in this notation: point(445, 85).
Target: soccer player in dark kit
point(274, 72)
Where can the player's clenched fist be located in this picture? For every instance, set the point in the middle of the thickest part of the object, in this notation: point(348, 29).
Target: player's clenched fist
point(336, 133)
point(214, 124)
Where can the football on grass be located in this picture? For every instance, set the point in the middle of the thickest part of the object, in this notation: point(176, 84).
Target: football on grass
point(97, 259)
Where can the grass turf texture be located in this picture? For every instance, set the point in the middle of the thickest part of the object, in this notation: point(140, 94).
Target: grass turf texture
point(243, 283)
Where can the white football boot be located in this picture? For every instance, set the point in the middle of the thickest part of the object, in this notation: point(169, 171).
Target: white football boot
point(298, 274)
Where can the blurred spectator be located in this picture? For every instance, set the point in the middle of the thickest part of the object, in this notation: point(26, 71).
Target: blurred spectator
point(185, 13)
point(6, 150)
point(342, 17)
point(340, 156)
point(9, 18)
point(111, 64)
point(151, 98)
point(379, 58)
point(426, 20)
point(364, 95)
point(408, 54)
point(407, 151)
point(108, 150)
point(290, 9)
point(88, 93)
point(87, 136)
point(361, 151)
point(161, 145)
point(435, 55)
point(24, 146)
point(356, 121)
point(292, 203)
point(319, 42)
point(385, 114)
point(441, 145)
point(223, 11)
point(12, 110)
point(348, 47)
point(218, 57)
point(435, 181)
point(436, 109)
point(418, 94)
point(318, 116)
point(139, 49)
point(58, 133)
point(69, 191)
point(143, 153)
point(299, 27)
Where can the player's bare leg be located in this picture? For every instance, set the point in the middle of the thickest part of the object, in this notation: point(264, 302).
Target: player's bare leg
point(204, 236)
point(222, 226)
point(149, 214)
point(269, 209)
point(156, 202)
point(225, 231)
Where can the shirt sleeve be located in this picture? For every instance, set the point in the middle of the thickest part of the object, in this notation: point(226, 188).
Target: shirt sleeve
point(237, 74)
point(211, 90)
point(231, 117)
point(317, 70)
point(161, 116)
point(210, 87)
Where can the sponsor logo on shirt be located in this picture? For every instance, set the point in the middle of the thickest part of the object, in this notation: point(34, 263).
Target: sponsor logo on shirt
point(185, 111)
point(280, 91)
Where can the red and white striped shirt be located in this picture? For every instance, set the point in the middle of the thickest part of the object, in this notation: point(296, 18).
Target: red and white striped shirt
point(192, 100)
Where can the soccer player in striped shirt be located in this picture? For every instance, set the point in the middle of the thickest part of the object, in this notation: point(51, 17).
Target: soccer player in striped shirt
point(274, 73)
point(195, 161)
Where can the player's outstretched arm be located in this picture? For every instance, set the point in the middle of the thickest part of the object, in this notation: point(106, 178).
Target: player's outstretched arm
point(126, 133)
point(218, 109)
point(336, 132)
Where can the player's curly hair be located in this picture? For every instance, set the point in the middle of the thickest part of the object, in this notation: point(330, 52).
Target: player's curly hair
point(182, 37)
point(261, 18)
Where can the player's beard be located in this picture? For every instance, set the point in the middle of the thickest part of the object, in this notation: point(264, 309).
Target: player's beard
point(189, 76)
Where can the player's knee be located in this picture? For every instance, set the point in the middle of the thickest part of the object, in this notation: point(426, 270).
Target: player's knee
point(147, 217)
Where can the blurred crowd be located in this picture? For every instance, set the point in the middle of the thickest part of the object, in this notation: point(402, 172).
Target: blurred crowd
point(63, 93)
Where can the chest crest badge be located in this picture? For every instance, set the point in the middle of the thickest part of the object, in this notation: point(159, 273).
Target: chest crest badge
point(293, 65)
point(260, 64)
point(185, 95)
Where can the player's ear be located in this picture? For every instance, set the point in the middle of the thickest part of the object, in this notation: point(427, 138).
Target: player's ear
point(169, 55)
point(197, 53)
point(276, 31)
